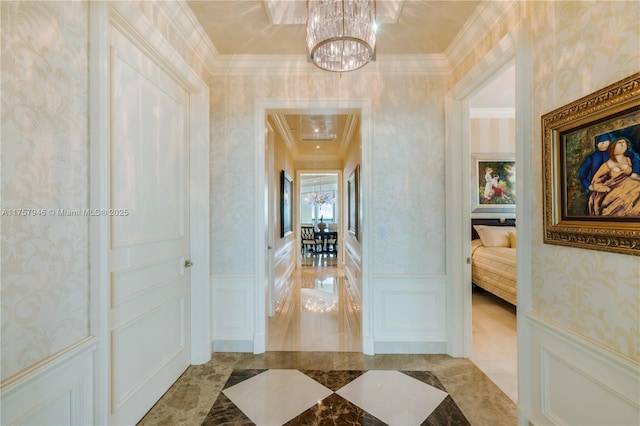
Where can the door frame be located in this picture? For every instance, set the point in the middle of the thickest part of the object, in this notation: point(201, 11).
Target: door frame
point(135, 26)
point(263, 106)
point(514, 47)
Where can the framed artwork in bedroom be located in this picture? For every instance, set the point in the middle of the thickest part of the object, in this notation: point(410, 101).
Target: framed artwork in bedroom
point(494, 183)
point(591, 170)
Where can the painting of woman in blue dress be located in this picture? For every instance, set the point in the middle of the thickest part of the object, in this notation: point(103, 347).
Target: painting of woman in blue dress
point(585, 153)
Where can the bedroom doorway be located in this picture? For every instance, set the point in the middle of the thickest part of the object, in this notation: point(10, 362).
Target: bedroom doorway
point(492, 146)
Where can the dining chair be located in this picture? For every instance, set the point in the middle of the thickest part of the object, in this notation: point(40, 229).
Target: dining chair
point(309, 239)
point(332, 240)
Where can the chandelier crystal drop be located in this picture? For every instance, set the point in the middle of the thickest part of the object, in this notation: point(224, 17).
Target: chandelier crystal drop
point(341, 34)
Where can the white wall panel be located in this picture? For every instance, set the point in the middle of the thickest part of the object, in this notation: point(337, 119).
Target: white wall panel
point(233, 312)
point(411, 312)
point(57, 391)
point(580, 383)
point(284, 264)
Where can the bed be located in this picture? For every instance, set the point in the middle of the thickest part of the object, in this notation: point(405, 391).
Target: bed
point(493, 257)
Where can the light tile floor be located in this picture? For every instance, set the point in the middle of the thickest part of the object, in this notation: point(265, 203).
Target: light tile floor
point(495, 340)
point(316, 397)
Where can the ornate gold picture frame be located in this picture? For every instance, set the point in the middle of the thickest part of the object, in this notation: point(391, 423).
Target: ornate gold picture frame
point(591, 170)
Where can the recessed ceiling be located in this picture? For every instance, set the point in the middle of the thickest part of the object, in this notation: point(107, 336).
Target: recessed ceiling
point(277, 27)
point(314, 136)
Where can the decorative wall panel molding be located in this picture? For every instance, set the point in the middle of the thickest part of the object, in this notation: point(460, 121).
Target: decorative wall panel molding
point(411, 312)
point(233, 311)
point(57, 390)
point(578, 382)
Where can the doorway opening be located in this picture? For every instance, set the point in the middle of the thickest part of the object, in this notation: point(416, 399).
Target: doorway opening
point(492, 147)
point(312, 303)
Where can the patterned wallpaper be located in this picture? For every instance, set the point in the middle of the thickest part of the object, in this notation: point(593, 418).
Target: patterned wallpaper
point(408, 152)
point(44, 166)
point(591, 293)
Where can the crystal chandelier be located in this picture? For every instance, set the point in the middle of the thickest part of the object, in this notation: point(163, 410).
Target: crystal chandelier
point(319, 198)
point(341, 34)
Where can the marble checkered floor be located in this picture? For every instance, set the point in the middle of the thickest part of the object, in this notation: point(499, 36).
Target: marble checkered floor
point(311, 397)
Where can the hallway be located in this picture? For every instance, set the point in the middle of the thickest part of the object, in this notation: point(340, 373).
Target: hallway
point(314, 372)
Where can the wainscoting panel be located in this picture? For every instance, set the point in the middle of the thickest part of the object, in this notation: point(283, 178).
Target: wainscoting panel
point(284, 264)
point(233, 313)
point(410, 314)
point(577, 382)
point(56, 391)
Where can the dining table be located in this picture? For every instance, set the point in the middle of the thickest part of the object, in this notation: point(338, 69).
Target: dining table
point(326, 235)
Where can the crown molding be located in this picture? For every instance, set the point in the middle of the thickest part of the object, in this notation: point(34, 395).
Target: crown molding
point(280, 122)
point(179, 15)
point(436, 64)
point(486, 16)
point(350, 127)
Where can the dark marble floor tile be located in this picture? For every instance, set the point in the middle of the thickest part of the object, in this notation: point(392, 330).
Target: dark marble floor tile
point(225, 413)
point(447, 414)
point(239, 376)
point(335, 411)
point(333, 380)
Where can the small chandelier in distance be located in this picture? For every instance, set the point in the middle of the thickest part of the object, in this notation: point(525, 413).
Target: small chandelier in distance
point(341, 34)
point(320, 198)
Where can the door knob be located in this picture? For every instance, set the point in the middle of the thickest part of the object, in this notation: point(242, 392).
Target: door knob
point(188, 263)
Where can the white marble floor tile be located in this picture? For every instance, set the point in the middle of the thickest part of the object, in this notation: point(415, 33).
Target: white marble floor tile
point(276, 396)
point(393, 397)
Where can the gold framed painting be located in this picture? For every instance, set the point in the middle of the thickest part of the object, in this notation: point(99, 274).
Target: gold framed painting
point(591, 170)
point(286, 204)
point(353, 205)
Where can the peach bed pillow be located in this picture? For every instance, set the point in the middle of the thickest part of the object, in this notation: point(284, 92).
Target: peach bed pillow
point(494, 236)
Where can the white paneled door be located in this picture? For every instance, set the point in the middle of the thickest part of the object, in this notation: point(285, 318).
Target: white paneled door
point(149, 231)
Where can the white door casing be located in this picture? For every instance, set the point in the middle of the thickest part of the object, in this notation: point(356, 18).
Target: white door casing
point(175, 83)
point(270, 217)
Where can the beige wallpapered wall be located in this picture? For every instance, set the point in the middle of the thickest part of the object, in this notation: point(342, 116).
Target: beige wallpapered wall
point(577, 48)
point(45, 263)
point(407, 165)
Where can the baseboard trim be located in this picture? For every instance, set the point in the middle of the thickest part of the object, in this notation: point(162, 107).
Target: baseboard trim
point(410, 347)
point(232, 346)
